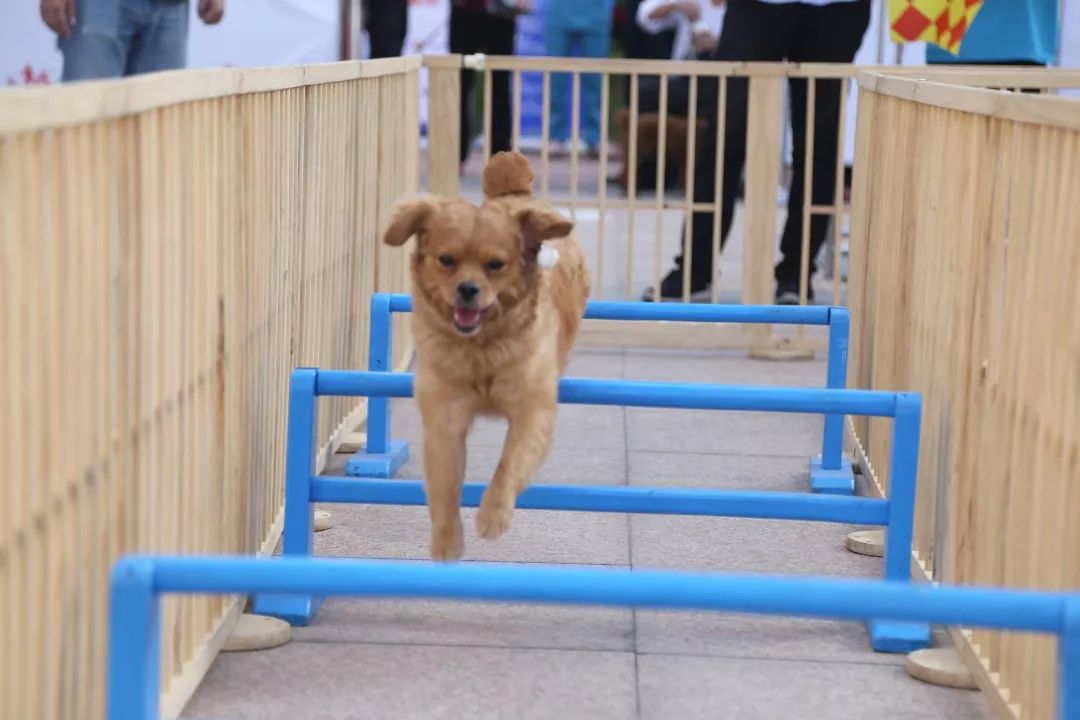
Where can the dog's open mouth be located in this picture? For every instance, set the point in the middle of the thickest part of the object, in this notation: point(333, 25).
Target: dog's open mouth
point(467, 319)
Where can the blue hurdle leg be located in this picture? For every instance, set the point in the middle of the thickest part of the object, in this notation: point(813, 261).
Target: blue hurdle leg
point(134, 642)
point(888, 636)
point(381, 457)
point(1069, 663)
point(831, 472)
point(299, 530)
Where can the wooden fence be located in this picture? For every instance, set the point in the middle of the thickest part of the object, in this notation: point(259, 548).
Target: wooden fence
point(631, 235)
point(965, 287)
point(171, 246)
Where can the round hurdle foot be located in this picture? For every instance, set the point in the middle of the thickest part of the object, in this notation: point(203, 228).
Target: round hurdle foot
point(258, 632)
point(866, 542)
point(781, 352)
point(323, 520)
point(940, 666)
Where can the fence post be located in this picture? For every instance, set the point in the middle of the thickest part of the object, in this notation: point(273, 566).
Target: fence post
point(134, 672)
point(763, 146)
point(444, 135)
point(298, 538)
point(831, 472)
point(381, 457)
point(887, 635)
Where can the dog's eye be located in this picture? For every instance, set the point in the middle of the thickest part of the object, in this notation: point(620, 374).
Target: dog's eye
point(495, 265)
point(446, 260)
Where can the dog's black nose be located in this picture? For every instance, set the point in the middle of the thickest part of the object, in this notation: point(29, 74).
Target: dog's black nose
point(467, 291)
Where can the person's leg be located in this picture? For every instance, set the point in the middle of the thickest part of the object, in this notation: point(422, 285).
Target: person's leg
point(500, 41)
point(97, 47)
point(161, 42)
point(463, 41)
point(595, 45)
point(557, 43)
point(387, 21)
point(752, 31)
point(830, 33)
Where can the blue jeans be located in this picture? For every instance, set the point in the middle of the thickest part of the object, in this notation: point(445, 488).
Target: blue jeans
point(114, 38)
point(563, 42)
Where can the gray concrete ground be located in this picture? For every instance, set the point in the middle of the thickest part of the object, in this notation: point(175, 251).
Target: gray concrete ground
point(430, 660)
point(378, 660)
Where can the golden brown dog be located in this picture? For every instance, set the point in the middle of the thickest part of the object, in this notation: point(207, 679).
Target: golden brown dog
point(493, 331)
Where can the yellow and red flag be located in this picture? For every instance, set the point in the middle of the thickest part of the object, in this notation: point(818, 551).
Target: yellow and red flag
point(940, 22)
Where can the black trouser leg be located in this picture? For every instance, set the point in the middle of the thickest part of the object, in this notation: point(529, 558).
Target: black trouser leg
point(472, 32)
point(463, 29)
point(830, 33)
point(386, 22)
point(822, 170)
point(753, 31)
point(703, 223)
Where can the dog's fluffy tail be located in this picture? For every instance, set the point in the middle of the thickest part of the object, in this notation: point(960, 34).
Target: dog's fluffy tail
point(507, 173)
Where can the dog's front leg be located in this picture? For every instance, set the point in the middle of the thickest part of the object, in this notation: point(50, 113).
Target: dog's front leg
point(446, 426)
point(528, 440)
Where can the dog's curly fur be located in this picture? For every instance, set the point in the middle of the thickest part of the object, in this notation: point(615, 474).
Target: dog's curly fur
point(507, 365)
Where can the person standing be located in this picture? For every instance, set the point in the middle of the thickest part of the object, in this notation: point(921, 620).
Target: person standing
point(485, 26)
point(577, 28)
point(828, 31)
point(1006, 32)
point(386, 22)
point(102, 39)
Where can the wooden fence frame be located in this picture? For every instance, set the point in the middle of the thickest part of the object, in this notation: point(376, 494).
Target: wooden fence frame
point(764, 143)
point(171, 246)
point(964, 229)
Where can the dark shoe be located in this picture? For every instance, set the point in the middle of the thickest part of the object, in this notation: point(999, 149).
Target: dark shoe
point(788, 293)
point(671, 289)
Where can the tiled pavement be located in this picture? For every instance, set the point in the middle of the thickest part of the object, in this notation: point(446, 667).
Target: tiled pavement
point(426, 660)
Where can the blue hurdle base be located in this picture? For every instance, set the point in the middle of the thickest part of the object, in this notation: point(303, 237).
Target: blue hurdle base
point(297, 610)
point(889, 636)
point(378, 465)
point(840, 481)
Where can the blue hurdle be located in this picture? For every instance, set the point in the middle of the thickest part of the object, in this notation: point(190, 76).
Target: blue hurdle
point(830, 472)
point(303, 487)
point(138, 582)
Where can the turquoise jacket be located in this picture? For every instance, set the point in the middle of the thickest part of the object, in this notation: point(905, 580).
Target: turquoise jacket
point(1007, 31)
point(579, 15)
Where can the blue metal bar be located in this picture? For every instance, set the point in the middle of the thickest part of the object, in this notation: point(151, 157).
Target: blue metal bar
point(134, 640)
point(299, 530)
point(621, 499)
point(1068, 686)
point(832, 445)
point(303, 423)
point(1025, 610)
point(887, 635)
point(682, 312)
point(634, 393)
point(138, 581)
point(903, 471)
point(379, 360)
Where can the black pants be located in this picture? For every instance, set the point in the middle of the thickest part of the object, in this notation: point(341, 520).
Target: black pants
point(386, 22)
point(764, 32)
point(479, 32)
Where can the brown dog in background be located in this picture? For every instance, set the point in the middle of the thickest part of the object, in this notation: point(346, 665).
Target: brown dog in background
point(493, 332)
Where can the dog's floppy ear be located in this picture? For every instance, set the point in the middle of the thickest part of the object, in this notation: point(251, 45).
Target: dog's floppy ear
point(410, 217)
point(539, 224)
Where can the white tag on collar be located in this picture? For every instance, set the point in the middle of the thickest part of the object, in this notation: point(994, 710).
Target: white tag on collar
point(547, 257)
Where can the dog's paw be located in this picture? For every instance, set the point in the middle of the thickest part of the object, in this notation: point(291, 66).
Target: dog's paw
point(447, 544)
point(493, 519)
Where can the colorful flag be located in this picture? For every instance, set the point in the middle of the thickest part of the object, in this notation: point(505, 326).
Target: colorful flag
point(940, 22)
